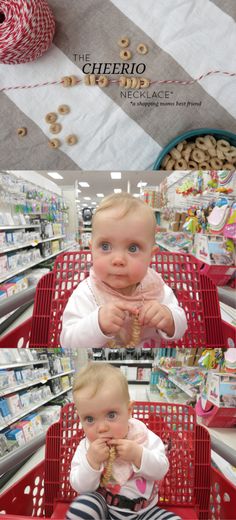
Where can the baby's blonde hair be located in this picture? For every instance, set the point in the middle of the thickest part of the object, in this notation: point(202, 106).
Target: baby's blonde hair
point(127, 204)
point(94, 376)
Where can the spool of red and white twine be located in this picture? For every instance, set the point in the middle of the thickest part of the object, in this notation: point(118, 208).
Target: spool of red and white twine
point(26, 30)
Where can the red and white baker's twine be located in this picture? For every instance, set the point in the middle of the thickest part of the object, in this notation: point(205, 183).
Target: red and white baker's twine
point(26, 30)
point(160, 81)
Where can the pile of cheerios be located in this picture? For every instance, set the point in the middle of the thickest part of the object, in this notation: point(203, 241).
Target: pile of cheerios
point(205, 153)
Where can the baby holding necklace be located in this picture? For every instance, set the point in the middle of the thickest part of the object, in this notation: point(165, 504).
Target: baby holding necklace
point(123, 302)
point(117, 466)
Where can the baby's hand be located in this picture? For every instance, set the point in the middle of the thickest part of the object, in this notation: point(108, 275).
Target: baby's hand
point(153, 314)
point(127, 450)
point(111, 317)
point(98, 453)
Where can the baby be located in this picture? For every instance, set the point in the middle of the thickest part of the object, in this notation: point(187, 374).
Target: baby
point(127, 486)
point(123, 302)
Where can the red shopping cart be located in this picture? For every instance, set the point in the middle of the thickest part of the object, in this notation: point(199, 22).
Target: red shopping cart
point(195, 292)
point(46, 491)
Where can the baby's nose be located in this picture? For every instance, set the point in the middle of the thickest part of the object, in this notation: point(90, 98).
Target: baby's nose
point(103, 427)
point(118, 259)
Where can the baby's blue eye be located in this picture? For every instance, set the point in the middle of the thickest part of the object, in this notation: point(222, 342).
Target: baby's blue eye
point(112, 415)
point(133, 248)
point(89, 419)
point(105, 246)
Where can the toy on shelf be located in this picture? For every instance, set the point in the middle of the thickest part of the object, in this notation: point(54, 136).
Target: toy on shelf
point(191, 223)
point(219, 215)
point(212, 359)
point(214, 181)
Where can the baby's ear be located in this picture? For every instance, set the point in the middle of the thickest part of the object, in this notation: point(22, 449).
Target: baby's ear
point(155, 249)
point(130, 408)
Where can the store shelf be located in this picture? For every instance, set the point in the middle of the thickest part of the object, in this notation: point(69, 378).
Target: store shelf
point(33, 243)
point(185, 388)
point(17, 456)
point(22, 364)
point(180, 399)
point(170, 248)
point(32, 264)
point(31, 409)
point(16, 226)
point(28, 384)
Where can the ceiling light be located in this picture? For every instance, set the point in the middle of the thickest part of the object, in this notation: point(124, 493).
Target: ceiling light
point(78, 191)
point(55, 175)
point(84, 184)
point(137, 195)
point(85, 205)
point(116, 175)
point(87, 198)
point(94, 203)
point(140, 184)
point(117, 190)
point(100, 195)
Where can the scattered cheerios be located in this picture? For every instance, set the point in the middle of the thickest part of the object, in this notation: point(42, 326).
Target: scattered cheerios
point(55, 128)
point(51, 117)
point(54, 143)
point(125, 54)
point(71, 139)
point(123, 42)
point(63, 109)
point(21, 132)
point(142, 48)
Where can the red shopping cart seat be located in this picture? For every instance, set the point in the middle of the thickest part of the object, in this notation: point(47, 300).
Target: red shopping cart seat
point(186, 487)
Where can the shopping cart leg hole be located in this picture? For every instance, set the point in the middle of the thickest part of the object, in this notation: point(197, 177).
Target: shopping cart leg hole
point(226, 497)
point(27, 490)
point(20, 343)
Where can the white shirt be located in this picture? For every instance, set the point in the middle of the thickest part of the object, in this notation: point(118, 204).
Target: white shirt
point(80, 325)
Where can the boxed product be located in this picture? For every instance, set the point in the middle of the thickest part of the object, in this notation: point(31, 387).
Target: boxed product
point(49, 414)
point(12, 261)
point(3, 445)
point(10, 288)
point(65, 382)
point(21, 282)
point(3, 294)
point(220, 389)
point(25, 398)
point(3, 379)
point(175, 226)
point(17, 435)
point(2, 240)
point(36, 422)
point(213, 250)
point(5, 410)
point(66, 363)
point(14, 404)
point(3, 264)
point(26, 427)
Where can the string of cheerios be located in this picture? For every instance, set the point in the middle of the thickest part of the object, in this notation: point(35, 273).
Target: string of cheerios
point(134, 338)
point(108, 469)
point(123, 81)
